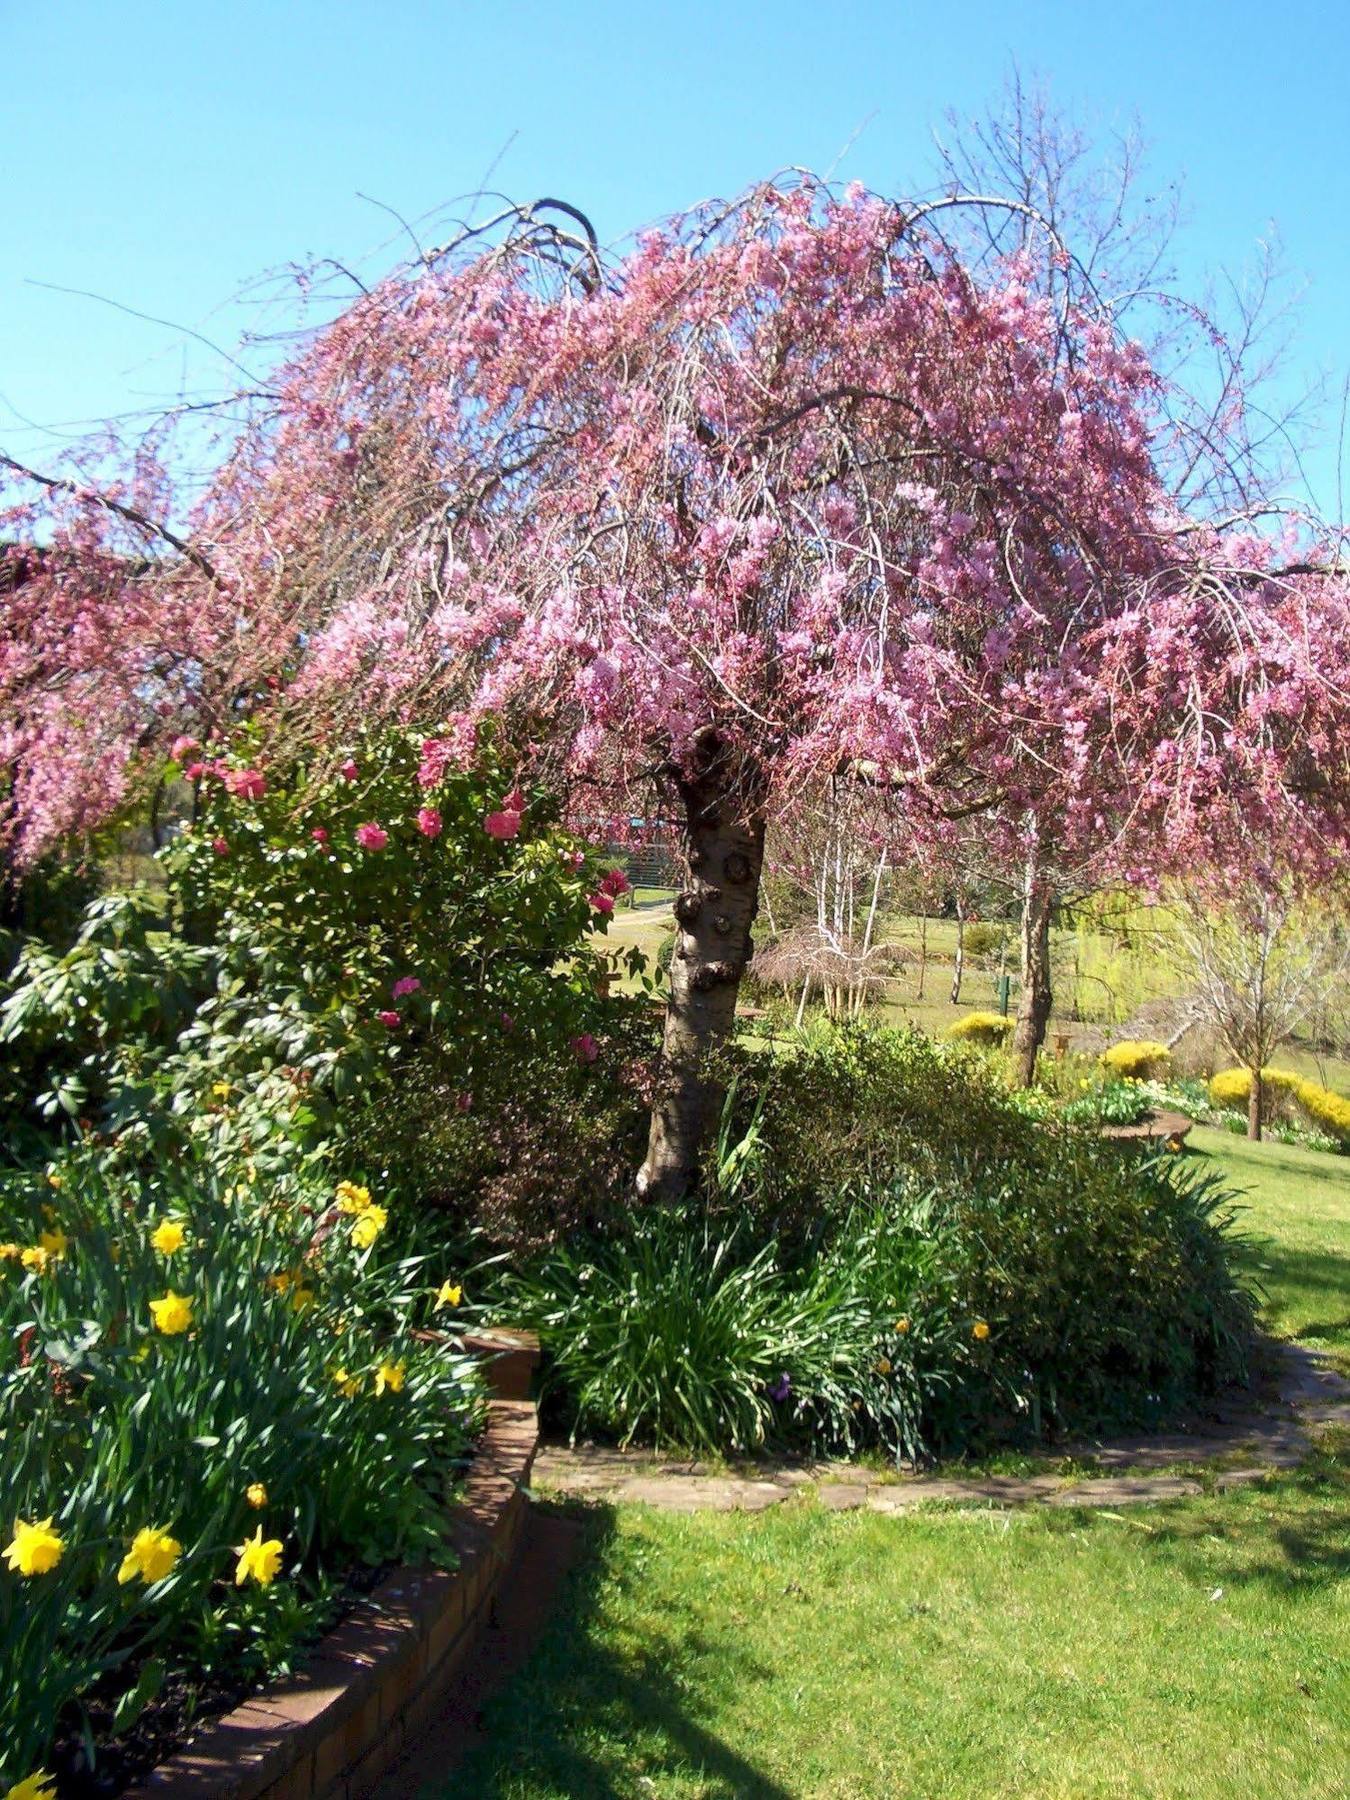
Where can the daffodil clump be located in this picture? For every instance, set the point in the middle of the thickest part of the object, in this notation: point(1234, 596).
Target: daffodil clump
point(215, 1400)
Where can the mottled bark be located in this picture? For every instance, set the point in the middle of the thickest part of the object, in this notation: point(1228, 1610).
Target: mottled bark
point(1033, 1007)
point(959, 960)
point(714, 912)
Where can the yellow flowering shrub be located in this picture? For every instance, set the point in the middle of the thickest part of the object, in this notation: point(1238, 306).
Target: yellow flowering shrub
point(1137, 1059)
point(1230, 1089)
point(981, 1028)
point(1324, 1108)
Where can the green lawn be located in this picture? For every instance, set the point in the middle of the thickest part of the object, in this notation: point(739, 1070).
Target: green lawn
point(1200, 1651)
point(1296, 1208)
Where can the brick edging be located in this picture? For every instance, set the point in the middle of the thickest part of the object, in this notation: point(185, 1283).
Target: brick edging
point(330, 1731)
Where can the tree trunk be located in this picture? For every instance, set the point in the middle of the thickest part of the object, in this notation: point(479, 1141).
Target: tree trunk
point(724, 857)
point(959, 961)
point(1033, 1006)
point(923, 953)
point(1255, 1106)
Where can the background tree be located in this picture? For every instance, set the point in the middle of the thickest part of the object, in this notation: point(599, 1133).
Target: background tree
point(1257, 965)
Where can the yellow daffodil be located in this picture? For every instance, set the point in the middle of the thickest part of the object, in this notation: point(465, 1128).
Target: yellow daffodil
point(301, 1297)
point(37, 1259)
point(282, 1282)
point(979, 1330)
point(351, 1198)
point(55, 1180)
point(152, 1555)
point(35, 1549)
point(389, 1375)
point(221, 1089)
point(368, 1225)
point(10, 1252)
point(883, 1365)
point(168, 1236)
point(902, 1327)
point(449, 1293)
point(37, 1786)
point(256, 1495)
point(172, 1314)
point(55, 1243)
point(259, 1560)
point(348, 1385)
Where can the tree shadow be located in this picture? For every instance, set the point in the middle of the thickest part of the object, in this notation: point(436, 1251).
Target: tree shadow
point(584, 1701)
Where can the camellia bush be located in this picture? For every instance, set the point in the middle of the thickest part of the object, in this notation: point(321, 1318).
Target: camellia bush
point(321, 931)
point(219, 1407)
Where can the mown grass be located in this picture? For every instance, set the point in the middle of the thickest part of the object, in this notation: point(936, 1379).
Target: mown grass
point(1296, 1211)
point(1198, 1649)
point(1193, 1650)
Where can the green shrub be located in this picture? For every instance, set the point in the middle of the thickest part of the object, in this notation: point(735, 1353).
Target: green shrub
point(981, 940)
point(981, 1028)
point(297, 1362)
point(1124, 1102)
point(686, 1333)
point(1137, 1059)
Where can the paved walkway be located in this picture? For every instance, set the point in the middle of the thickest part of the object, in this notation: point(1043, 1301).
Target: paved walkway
point(1258, 1433)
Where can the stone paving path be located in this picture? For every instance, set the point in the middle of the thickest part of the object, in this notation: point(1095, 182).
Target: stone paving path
point(1259, 1432)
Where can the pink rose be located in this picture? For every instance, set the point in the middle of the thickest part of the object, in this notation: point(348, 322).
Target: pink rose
point(221, 846)
point(390, 1020)
point(429, 822)
point(195, 770)
point(585, 1048)
point(183, 746)
point(319, 835)
point(246, 784)
point(616, 883)
point(371, 836)
point(502, 824)
point(348, 770)
point(603, 903)
point(406, 984)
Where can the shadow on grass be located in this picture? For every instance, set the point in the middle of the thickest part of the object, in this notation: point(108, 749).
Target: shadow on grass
point(592, 1714)
point(1297, 1281)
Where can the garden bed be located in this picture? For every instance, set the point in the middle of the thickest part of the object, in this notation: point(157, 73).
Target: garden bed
point(336, 1726)
point(1171, 1127)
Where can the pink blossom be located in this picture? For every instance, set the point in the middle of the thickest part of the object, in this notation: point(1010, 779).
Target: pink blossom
point(429, 821)
point(182, 747)
point(406, 984)
point(575, 860)
point(221, 846)
point(195, 770)
point(371, 836)
point(602, 902)
point(246, 784)
point(348, 770)
point(502, 825)
point(319, 835)
point(616, 883)
point(391, 1020)
point(514, 802)
point(585, 1048)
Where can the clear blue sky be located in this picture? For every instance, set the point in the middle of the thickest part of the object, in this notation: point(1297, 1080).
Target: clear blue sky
point(160, 152)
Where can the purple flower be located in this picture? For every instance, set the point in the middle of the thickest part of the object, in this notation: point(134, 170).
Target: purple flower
point(781, 1388)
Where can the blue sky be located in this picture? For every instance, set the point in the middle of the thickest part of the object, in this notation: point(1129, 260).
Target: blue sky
point(161, 154)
